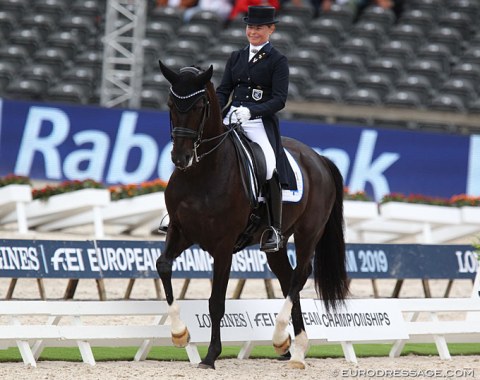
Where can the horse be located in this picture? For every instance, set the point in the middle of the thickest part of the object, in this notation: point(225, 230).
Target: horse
point(208, 206)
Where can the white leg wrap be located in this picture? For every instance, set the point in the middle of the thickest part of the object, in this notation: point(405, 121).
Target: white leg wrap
point(299, 347)
point(280, 334)
point(177, 326)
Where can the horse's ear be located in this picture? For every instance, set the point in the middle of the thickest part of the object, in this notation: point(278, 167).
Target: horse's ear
point(170, 75)
point(206, 75)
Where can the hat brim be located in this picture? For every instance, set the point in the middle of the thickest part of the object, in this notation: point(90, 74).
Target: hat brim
point(258, 22)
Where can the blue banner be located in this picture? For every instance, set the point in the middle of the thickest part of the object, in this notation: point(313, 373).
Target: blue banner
point(136, 259)
point(60, 142)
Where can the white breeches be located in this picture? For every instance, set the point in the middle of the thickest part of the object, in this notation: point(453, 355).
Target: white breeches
point(255, 131)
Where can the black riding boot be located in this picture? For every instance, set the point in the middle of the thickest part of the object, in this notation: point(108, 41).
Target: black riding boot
point(272, 239)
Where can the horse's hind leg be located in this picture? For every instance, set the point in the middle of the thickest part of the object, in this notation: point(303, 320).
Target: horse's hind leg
point(292, 307)
point(174, 246)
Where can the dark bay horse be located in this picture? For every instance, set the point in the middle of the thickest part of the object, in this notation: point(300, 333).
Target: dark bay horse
point(208, 206)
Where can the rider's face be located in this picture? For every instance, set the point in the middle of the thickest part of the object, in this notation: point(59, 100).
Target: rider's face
point(259, 34)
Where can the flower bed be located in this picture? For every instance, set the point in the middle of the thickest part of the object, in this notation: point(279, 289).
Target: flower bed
point(356, 196)
point(12, 179)
point(130, 191)
point(65, 187)
point(454, 201)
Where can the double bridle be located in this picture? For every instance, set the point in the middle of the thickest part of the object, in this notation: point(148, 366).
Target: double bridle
point(184, 105)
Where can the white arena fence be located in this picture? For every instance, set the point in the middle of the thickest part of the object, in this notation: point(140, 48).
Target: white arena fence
point(246, 323)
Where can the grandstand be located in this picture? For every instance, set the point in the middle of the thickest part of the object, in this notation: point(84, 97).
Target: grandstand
point(418, 71)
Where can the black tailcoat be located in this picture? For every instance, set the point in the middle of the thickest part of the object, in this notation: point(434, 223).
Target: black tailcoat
point(261, 85)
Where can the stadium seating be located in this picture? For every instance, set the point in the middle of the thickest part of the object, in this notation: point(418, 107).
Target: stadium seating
point(55, 8)
point(359, 46)
point(403, 99)
point(397, 49)
point(331, 28)
point(16, 7)
point(391, 67)
point(199, 33)
point(169, 15)
point(375, 81)
point(42, 23)
point(233, 36)
point(324, 93)
point(15, 54)
point(362, 96)
point(209, 19)
point(339, 79)
point(318, 43)
point(305, 13)
point(7, 72)
point(308, 59)
point(373, 31)
point(43, 74)
point(418, 17)
point(417, 84)
point(382, 16)
point(448, 103)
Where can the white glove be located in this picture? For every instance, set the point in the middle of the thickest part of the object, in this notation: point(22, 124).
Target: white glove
point(243, 114)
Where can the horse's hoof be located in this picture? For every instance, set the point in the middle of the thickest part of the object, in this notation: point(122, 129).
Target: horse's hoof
point(181, 339)
point(294, 364)
point(282, 349)
point(206, 366)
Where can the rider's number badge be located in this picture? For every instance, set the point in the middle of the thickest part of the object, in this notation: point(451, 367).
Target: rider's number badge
point(257, 94)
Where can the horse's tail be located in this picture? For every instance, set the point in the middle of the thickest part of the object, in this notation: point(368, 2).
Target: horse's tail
point(330, 271)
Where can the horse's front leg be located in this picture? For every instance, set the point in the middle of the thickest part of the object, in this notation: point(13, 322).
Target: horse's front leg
point(216, 306)
point(174, 246)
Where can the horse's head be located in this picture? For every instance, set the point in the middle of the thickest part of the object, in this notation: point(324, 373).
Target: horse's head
point(189, 109)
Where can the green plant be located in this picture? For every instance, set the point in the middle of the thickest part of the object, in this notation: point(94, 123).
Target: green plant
point(13, 179)
point(133, 190)
point(454, 201)
point(65, 187)
point(356, 196)
point(464, 200)
point(415, 198)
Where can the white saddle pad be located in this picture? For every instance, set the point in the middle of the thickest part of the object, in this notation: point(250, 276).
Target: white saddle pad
point(294, 195)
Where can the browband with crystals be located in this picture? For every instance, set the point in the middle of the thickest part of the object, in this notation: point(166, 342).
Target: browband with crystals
point(186, 96)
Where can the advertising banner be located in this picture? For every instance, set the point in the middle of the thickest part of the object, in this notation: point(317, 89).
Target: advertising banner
point(137, 259)
point(254, 320)
point(65, 142)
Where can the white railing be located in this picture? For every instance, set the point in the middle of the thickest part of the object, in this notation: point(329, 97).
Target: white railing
point(74, 324)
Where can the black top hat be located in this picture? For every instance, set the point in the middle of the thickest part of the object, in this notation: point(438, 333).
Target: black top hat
point(260, 15)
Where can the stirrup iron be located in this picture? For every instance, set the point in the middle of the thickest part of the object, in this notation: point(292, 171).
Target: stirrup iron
point(275, 234)
point(164, 223)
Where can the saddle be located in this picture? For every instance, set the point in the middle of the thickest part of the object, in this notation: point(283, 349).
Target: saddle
point(251, 162)
point(252, 167)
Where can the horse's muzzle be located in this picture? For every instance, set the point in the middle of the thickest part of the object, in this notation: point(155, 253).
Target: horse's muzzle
point(182, 161)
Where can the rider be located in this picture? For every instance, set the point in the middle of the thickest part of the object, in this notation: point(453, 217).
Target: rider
point(256, 78)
